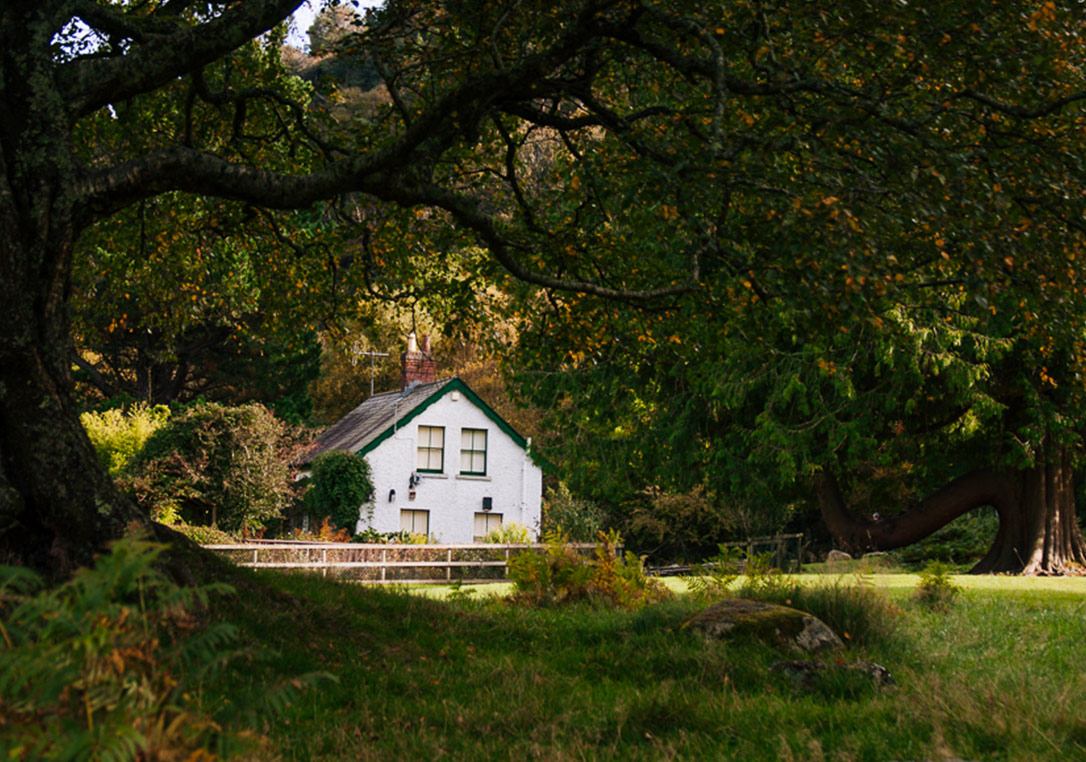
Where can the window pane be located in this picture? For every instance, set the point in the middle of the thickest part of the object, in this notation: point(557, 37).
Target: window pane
point(431, 453)
point(417, 522)
point(486, 523)
point(473, 451)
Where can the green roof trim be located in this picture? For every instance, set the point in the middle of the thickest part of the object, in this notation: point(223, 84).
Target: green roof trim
point(455, 384)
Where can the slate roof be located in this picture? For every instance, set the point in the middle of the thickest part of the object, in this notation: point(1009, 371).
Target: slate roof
point(373, 417)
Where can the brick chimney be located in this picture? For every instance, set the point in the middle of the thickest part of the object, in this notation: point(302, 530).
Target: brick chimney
point(417, 366)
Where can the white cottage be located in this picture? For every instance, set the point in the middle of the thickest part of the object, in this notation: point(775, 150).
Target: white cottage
point(444, 464)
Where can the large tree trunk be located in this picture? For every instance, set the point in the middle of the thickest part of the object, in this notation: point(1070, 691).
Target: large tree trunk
point(1038, 533)
point(57, 504)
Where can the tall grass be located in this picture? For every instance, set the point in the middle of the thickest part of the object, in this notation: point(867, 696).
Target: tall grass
point(476, 678)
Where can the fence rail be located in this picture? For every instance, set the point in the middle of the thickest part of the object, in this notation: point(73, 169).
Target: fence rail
point(398, 564)
point(777, 550)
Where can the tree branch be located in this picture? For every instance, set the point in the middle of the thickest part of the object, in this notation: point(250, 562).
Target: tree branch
point(157, 57)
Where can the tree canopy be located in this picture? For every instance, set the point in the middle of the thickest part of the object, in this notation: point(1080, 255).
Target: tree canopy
point(848, 202)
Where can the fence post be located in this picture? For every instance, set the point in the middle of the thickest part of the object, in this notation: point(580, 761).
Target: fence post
point(384, 560)
point(254, 557)
point(448, 569)
point(324, 560)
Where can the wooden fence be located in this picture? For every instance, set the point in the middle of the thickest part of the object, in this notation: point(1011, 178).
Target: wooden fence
point(776, 547)
point(399, 564)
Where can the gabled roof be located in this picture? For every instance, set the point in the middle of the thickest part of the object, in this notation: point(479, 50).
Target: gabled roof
point(376, 419)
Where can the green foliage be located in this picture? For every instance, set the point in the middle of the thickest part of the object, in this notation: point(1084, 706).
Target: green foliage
point(856, 610)
point(341, 484)
point(402, 537)
point(214, 465)
point(204, 535)
point(761, 579)
point(962, 542)
point(110, 664)
point(509, 533)
point(580, 519)
point(119, 434)
point(713, 577)
point(563, 575)
point(936, 590)
point(683, 525)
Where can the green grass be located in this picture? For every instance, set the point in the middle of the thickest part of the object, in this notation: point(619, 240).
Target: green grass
point(1000, 677)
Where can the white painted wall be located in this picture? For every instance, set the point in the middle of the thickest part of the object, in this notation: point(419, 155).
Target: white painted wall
point(512, 480)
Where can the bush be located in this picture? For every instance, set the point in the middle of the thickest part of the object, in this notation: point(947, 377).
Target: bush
point(562, 575)
point(936, 591)
point(858, 612)
point(403, 537)
point(580, 520)
point(341, 485)
point(118, 435)
point(713, 578)
point(509, 534)
point(205, 535)
point(326, 532)
point(214, 465)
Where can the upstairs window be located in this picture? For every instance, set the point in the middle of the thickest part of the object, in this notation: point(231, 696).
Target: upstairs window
point(431, 458)
point(473, 452)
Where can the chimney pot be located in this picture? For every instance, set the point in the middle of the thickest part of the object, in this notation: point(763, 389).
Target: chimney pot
point(417, 366)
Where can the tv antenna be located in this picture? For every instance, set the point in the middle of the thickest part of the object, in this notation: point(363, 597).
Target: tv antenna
point(356, 352)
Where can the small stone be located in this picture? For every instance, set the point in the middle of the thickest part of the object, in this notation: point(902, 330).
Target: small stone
point(801, 672)
point(879, 674)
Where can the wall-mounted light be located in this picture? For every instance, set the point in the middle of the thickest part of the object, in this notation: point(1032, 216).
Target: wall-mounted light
point(488, 503)
point(392, 496)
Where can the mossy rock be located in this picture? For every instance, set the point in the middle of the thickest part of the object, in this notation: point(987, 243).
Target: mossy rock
point(779, 626)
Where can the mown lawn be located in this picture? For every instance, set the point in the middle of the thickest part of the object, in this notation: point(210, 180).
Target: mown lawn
point(1001, 676)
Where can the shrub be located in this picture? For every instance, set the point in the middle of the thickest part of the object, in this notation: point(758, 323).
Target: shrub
point(857, 611)
point(204, 535)
point(370, 535)
point(580, 520)
point(507, 534)
point(713, 578)
point(324, 533)
point(761, 580)
point(936, 591)
point(214, 465)
point(341, 485)
point(562, 575)
point(118, 435)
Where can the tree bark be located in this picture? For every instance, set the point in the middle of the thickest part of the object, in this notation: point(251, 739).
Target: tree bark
point(1038, 532)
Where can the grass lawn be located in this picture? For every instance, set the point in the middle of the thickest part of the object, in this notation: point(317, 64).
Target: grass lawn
point(429, 675)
